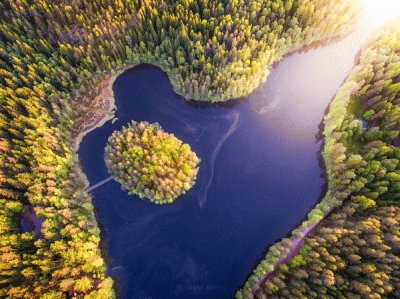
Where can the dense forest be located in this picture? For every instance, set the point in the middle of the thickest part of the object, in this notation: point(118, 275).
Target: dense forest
point(354, 252)
point(151, 163)
point(54, 55)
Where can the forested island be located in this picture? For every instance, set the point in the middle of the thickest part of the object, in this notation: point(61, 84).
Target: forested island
point(57, 56)
point(151, 163)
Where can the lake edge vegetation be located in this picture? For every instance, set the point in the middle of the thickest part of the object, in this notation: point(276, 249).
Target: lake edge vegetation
point(53, 57)
point(354, 250)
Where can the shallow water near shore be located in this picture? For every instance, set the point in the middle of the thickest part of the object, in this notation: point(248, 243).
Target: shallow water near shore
point(259, 176)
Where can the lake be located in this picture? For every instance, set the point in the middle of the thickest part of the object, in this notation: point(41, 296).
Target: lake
point(259, 176)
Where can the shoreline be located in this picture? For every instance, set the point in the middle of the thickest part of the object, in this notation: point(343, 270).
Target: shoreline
point(331, 200)
point(307, 226)
point(297, 243)
point(297, 235)
point(106, 93)
point(105, 96)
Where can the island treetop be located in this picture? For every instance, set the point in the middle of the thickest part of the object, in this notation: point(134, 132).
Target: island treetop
point(151, 163)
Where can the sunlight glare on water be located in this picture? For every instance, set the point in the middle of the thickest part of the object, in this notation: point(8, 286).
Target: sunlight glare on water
point(380, 12)
point(302, 85)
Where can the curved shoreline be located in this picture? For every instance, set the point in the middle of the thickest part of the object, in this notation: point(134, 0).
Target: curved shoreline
point(332, 199)
point(106, 94)
point(296, 245)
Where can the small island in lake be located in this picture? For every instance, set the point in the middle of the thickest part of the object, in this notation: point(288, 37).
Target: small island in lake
point(151, 163)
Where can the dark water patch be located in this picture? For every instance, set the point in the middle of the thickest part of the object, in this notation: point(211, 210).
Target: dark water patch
point(396, 142)
point(255, 184)
point(31, 223)
point(25, 226)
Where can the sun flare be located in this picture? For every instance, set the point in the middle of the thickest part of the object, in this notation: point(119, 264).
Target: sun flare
point(380, 12)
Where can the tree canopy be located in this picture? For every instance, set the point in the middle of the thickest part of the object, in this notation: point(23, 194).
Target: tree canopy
point(151, 163)
point(54, 55)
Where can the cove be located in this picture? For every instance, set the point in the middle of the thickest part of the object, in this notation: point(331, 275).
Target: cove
point(258, 179)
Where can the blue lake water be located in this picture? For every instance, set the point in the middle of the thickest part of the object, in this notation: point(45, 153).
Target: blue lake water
point(255, 184)
point(259, 176)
